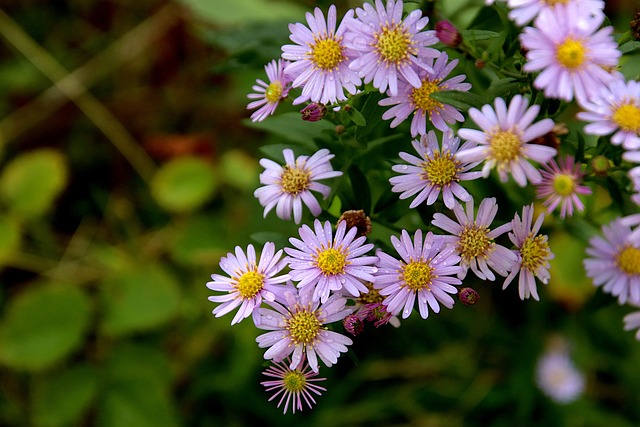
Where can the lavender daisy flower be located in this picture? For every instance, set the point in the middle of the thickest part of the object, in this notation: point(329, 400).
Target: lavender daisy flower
point(287, 187)
point(437, 169)
point(558, 378)
point(249, 282)
point(426, 272)
point(614, 262)
point(616, 108)
point(634, 176)
point(391, 48)
point(268, 96)
point(320, 58)
point(523, 11)
point(296, 329)
point(533, 254)
point(504, 140)
point(293, 385)
point(321, 263)
point(417, 100)
point(474, 241)
point(560, 185)
point(572, 54)
point(632, 321)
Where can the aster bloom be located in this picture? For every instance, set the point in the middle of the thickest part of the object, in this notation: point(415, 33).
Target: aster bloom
point(391, 48)
point(322, 263)
point(249, 282)
point(418, 100)
point(474, 241)
point(573, 55)
point(523, 11)
point(320, 58)
point(615, 109)
point(293, 385)
point(614, 262)
point(287, 187)
point(426, 271)
point(558, 378)
point(504, 140)
point(269, 95)
point(634, 176)
point(560, 185)
point(437, 170)
point(296, 329)
point(632, 321)
point(533, 254)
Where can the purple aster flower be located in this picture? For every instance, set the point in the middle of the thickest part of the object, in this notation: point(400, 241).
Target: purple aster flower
point(634, 176)
point(320, 58)
point(426, 272)
point(560, 185)
point(293, 385)
point(249, 282)
point(614, 262)
point(322, 263)
point(417, 100)
point(437, 169)
point(615, 108)
point(391, 48)
point(268, 96)
point(504, 140)
point(523, 11)
point(474, 241)
point(558, 378)
point(287, 187)
point(533, 254)
point(296, 329)
point(632, 321)
point(573, 55)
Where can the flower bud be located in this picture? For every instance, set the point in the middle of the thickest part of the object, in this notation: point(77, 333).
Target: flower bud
point(313, 112)
point(468, 296)
point(600, 165)
point(357, 219)
point(635, 26)
point(353, 324)
point(448, 34)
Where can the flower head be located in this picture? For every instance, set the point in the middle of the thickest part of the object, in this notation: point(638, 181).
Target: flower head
point(418, 100)
point(322, 263)
point(474, 241)
point(523, 11)
point(287, 187)
point(249, 282)
point(269, 95)
point(320, 58)
point(504, 140)
point(560, 185)
point(632, 321)
point(292, 385)
point(437, 170)
point(558, 378)
point(533, 254)
point(425, 272)
point(391, 48)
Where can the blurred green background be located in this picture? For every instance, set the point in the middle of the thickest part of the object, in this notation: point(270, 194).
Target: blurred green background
point(127, 169)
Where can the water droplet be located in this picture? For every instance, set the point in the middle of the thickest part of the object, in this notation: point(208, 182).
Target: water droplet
point(343, 281)
point(404, 167)
point(374, 270)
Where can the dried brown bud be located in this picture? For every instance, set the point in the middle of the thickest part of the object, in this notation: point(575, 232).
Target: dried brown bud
point(358, 219)
point(635, 26)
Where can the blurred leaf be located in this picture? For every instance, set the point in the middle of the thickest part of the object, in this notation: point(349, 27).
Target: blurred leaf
point(460, 100)
point(243, 11)
point(201, 241)
point(361, 190)
point(291, 127)
point(9, 237)
point(138, 300)
point(42, 325)
point(629, 47)
point(357, 117)
point(60, 399)
point(31, 182)
point(184, 184)
point(139, 363)
point(475, 35)
point(239, 169)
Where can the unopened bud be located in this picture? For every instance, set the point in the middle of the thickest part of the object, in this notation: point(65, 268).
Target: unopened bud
point(358, 219)
point(353, 324)
point(313, 112)
point(448, 34)
point(468, 296)
point(340, 129)
point(635, 26)
point(480, 63)
point(600, 165)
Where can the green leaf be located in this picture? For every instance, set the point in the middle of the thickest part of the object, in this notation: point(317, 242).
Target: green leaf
point(243, 11)
point(62, 398)
point(461, 100)
point(356, 116)
point(239, 169)
point(630, 47)
point(184, 184)
point(291, 127)
point(43, 325)
point(138, 300)
point(31, 182)
point(361, 190)
point(9, 237)
point(475, 35)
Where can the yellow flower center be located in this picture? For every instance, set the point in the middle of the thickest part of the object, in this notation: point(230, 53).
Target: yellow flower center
point(327, 54)
point(505, 146)
point(418, 275)
point(564, 184)
point(441, 170)
point(394, 45)
point(534, 252)
point(473, 242)
point(422, 96)
point(273, 92)
point(303, 327)
point(294, 180)
point(371, 297)
point(331, 261)
point(294, 381)
point(627, 117)
point(571, 53)
point(628, 260)
point(250, 283)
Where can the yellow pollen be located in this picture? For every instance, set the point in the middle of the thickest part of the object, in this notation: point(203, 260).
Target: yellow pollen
point(441, 170)
point(564, 184)
point(421, 96)
point(627, 117)
point(274, 92)
point(331, 261)
point(294, 180)
point(327, 54)
point(505, 146)
point(534, 252)
point(371, 297)
point(418, 275)
point(474, 242)
point(294, 381)
point(394, 45)
point(250, 283)
point(555, 2)
point(303, 327)
point(571, 53)
point(628, 260)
